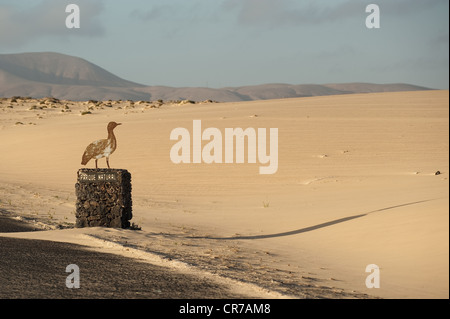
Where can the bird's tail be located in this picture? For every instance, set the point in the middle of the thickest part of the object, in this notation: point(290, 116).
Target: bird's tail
point(85, 159)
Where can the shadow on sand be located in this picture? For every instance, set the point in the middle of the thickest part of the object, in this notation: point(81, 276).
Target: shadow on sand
point(311, 228)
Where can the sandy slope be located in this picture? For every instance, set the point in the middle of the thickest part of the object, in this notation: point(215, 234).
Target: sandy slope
point(355, 185)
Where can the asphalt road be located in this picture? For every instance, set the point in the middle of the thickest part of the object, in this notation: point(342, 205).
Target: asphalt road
point(37, 269)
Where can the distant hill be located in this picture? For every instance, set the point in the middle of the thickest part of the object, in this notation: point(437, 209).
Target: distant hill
point(66, 77)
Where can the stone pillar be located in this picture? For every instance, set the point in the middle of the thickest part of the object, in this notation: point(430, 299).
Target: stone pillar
point(103, 198)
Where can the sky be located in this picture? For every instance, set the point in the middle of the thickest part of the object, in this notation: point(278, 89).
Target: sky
point(223, 43)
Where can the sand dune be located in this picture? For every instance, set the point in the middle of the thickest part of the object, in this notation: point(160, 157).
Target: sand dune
point(356, 185)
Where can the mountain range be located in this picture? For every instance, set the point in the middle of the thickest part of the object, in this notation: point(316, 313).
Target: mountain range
point(45, 74)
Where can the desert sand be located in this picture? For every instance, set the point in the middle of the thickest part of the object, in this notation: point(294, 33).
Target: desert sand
point(357, 184)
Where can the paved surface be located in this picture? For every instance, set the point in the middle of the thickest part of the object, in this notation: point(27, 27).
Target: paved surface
point(37, 269)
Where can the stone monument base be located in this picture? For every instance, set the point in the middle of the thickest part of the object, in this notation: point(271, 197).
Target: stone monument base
point(103, 198)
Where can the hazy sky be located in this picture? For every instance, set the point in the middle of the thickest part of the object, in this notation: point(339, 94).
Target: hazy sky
point(219, 43)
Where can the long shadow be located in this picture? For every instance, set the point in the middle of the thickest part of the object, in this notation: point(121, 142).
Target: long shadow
point(311, 228)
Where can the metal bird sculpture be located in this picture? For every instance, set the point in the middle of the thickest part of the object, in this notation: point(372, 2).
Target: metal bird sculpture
point(101, 148)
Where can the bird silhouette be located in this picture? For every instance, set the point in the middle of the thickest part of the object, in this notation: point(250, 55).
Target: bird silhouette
point(101, 148)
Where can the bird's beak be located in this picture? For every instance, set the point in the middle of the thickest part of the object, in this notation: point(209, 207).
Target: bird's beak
point(119, 123)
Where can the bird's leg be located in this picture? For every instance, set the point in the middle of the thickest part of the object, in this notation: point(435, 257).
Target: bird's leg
point(107, 162)
point(96, 163)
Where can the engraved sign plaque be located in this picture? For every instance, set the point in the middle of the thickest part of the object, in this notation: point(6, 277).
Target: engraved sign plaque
point(97, 177)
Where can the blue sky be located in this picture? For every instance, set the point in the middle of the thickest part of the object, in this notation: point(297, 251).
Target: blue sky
point(219, 43)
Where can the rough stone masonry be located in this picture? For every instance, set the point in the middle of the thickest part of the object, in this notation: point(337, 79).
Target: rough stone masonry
point(103, 198)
